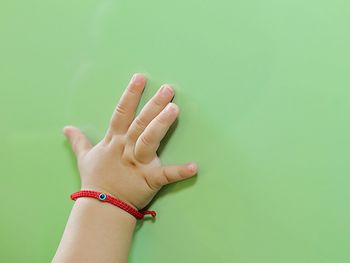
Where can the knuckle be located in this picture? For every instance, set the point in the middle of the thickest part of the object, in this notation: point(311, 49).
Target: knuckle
point(133, 89)
point(155, 186)
point(140, 123)
point(165, 176)
point(163, 120)
point(182, 174)
point(158, 103)
point(146, 140)
point(120, 109)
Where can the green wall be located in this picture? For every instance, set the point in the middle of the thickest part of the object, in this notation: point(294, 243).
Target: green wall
point(263, 91)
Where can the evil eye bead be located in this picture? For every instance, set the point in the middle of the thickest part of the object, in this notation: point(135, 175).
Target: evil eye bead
point(102, 196)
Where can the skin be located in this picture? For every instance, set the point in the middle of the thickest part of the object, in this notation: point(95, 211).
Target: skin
point(125, 165)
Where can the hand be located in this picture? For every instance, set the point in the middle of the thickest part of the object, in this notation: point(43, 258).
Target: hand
point(125, 163)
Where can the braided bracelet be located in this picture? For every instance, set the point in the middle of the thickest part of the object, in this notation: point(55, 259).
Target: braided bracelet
point(114, 201)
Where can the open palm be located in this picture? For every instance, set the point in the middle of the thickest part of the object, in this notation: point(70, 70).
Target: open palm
point(125, 163)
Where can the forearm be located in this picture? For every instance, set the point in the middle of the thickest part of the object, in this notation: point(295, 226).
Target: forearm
point(96, 232)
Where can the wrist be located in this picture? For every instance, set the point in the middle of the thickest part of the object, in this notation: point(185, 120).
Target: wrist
point(105, 197)
point(103, 190)
point(104, 210)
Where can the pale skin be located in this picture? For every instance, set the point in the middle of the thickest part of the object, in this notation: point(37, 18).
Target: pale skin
point(125, 165)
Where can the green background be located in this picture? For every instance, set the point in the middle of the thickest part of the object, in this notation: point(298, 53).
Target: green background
point(263, 91)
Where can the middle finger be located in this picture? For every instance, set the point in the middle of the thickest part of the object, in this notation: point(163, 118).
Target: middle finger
point(149, 112)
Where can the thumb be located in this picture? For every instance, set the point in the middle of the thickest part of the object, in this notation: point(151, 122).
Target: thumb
point(79, 142)
point(171, 173)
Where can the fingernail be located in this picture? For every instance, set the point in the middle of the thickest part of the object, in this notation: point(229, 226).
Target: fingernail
point(170, 107)
point(137, 79)
point(192, 167)
point(166, 90)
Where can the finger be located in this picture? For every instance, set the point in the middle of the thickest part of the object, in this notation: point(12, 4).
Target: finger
point(125, 110)
point(169, 174)
point(148, 142)
point(149, 112)
point(79, 142)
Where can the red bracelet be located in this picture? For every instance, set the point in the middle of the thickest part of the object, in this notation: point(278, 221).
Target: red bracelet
point(114, 201)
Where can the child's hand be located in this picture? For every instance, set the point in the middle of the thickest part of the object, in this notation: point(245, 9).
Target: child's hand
point(124, 163)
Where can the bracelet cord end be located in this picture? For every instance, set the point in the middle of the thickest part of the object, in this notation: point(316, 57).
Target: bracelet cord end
point(152, 213)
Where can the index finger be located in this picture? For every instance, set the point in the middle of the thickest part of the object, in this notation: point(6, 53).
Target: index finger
point(124, 112)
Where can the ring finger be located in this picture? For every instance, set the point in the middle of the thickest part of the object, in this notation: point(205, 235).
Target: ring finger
point(149, 112)
point(148, 142)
